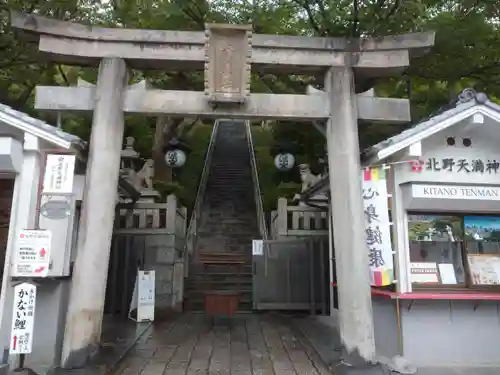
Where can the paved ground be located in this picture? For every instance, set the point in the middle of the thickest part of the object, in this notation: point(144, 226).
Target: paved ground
point(249, 345)
point(325, 340)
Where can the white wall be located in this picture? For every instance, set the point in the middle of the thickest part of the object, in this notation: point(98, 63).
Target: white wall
point(485, 146)
point(22, 217)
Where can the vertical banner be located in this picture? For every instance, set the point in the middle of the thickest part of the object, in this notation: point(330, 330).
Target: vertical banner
point(23, 319)
point(377, 226)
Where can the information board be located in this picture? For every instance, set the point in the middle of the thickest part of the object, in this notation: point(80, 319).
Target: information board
point(32, 253)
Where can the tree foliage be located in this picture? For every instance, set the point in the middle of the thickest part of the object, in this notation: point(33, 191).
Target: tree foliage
point(466, 53)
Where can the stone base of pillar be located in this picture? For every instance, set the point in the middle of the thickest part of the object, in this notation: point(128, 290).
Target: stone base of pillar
point(377, 369)
point(354, 364)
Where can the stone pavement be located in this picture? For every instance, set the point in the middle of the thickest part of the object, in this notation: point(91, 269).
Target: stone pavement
point(326, 342)
point(249, 344)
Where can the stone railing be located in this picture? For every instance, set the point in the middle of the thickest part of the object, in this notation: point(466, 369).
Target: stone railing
point(298, 221)
point(142, 217)
point(158, 232)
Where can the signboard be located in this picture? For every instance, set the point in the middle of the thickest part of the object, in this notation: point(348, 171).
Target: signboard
point(424, 273)
point(257, 247)
point(32, 253)
point(23, 319)
point(59, 173)
point(462, 165)
point(377, 226)
point(143, 297)
point(456, 192)
point(146, 296)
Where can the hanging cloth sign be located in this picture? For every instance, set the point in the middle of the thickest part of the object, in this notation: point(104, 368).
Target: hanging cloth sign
point(377, 226)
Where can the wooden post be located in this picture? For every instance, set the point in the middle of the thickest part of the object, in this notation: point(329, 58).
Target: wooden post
point(282, 217)
point(351, 253)
point(88, 287)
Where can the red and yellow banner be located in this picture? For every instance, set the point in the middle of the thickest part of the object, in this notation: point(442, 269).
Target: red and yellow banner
point(377, 226)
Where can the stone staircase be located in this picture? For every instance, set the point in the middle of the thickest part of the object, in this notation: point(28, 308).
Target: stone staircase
point(228, 222)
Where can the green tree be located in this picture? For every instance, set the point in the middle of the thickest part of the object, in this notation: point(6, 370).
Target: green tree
point(467, 53)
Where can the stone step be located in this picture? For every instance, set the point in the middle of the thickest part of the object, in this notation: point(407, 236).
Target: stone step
point(222, 244)
point(207, 284)
point(230, 164)
point(245, 276)
point(219, 269)
point(199, 296)
point(245, 306)
point(209, 226)
point(222, 237)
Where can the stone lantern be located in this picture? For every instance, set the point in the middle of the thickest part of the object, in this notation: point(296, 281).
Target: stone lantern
point(129, 158)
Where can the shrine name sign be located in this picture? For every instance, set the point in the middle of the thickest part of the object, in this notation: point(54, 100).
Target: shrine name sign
point(456, 192)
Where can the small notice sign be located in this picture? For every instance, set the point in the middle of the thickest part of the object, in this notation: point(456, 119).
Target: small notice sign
point(32, 253)
point(23, 319)
point(257, 247)
point(59, 173)
point(146, 298)
point(424, 273)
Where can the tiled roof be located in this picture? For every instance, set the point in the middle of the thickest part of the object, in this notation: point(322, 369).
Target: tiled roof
point(38, 128)
point(468, 98)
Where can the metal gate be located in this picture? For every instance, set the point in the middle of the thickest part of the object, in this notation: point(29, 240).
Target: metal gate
point(129, 253)
point(292, 274)
point(126, 257)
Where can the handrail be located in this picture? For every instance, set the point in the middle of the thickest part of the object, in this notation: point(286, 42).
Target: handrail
point(256, 185)
point(192, 228)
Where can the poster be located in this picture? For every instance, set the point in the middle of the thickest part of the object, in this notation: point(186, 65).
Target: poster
point(32, 253)
point(424, 273)
point(484, 269)
point(435, 228)
point(447, 274)
point(482, 228)
point(59, 174)
point(377, 226)
point(23, 319)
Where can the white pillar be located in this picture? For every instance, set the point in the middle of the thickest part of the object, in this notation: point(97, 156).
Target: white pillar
point(353, 285)
point(84, 319)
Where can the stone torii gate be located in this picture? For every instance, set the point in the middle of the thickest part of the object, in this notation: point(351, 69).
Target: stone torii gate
point(227, 54)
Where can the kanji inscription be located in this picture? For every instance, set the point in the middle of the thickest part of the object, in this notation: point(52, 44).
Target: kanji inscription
point(463, 165)
point(23, 319)
point(377, 226)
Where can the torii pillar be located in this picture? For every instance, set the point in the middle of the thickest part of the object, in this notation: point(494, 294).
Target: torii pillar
point(88, 287)
point(351, 253)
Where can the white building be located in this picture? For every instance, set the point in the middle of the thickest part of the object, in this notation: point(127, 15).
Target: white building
point(444, 177)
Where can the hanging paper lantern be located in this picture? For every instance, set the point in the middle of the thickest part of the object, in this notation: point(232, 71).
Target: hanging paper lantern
point(175, 158)
point(284, 161)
